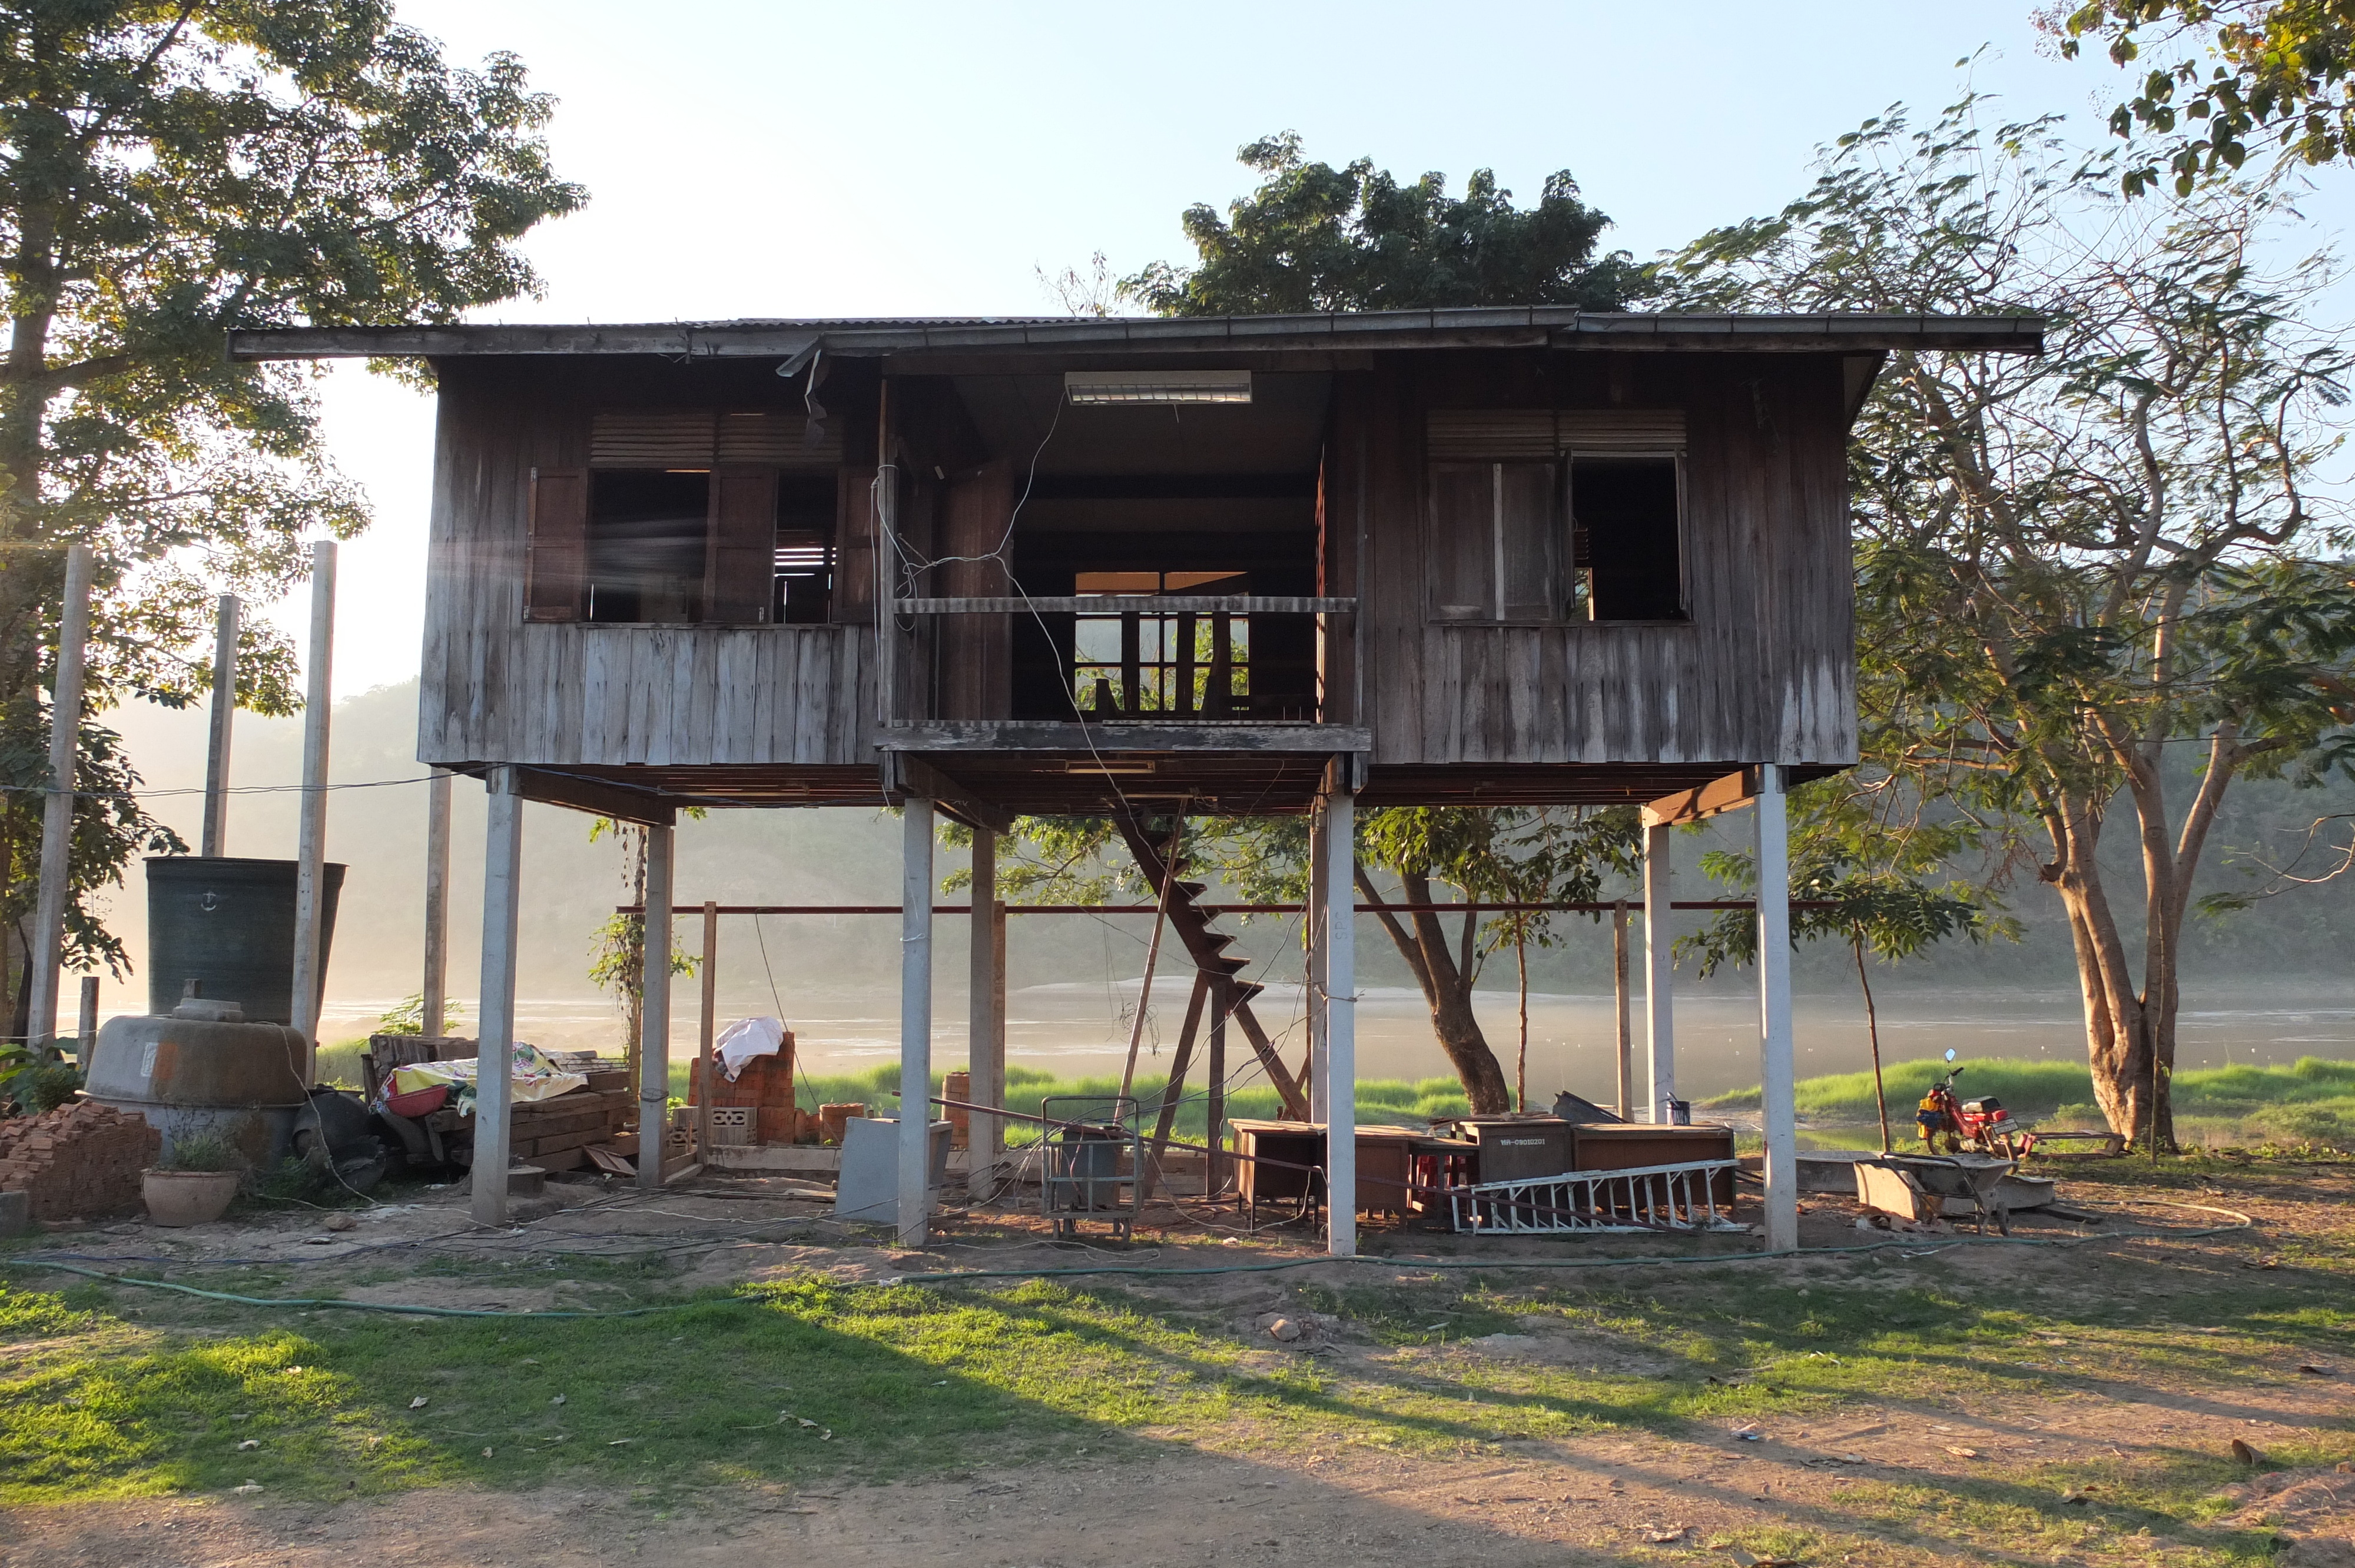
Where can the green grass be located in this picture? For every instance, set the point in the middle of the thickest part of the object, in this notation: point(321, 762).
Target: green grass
point(113, 1392)
point(2311, 1101)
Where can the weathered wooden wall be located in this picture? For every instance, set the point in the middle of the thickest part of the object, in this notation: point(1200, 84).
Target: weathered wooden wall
point(494, 689)
point(1763, 672)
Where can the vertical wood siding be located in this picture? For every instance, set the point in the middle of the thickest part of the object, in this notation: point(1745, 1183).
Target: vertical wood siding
point(494, 689)
point(1765, 670)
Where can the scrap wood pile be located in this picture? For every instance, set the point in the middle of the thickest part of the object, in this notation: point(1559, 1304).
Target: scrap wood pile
point(78, 1162)
point(568, 1108)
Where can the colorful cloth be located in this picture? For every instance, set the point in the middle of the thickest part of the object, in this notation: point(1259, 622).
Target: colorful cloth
point(531, 1076)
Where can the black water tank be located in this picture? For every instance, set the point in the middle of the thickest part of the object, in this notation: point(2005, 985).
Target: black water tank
point(229, 924)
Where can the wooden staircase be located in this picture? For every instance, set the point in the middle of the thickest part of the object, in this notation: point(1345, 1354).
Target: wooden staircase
point(1216, 970)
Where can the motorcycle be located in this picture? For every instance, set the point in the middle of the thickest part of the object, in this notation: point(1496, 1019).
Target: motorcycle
point(1982, 1125)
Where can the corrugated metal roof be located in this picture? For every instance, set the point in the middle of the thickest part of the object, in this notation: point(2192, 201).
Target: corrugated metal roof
point(1536, 326)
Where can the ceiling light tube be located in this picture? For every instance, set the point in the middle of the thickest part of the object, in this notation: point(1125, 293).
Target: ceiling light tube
point(1098, 387)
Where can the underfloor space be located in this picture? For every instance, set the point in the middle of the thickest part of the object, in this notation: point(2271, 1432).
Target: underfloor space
point(802, 1390)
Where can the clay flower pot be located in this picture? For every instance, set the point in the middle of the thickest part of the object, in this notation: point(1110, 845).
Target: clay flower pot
point(187, 1197)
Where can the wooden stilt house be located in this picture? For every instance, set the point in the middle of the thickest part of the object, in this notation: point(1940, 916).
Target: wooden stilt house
point(1275, 564)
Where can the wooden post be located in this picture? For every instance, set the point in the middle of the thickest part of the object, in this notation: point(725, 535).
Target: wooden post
point(915, 1018)
point(1152, 954)
point(1313, 997)
point(224, 714)
point(653, 1013)
point(433, 994)
point(495, 1056)
point(709, 1069)
point(1174, 1091)
point(57, 811)
point(1776, 1084)
point(1214, 1163)
point(85, 1026)
point(1627, 1039)
point(1337, 822)
point(984, 1051)
point(1660, 972)
point(311, 847)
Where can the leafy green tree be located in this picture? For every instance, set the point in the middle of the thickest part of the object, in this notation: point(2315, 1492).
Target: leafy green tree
point(168, 173)
point(1313, 238)
point(2069, 565)
point(2284, 68)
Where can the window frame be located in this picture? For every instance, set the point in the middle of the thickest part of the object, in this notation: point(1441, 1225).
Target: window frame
point(1554, 533)
point(1570, 456)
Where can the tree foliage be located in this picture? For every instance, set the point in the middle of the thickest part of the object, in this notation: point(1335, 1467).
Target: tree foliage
point(1313, 237)
point(2068, 565)
point(2255, 67)
point(170, 173)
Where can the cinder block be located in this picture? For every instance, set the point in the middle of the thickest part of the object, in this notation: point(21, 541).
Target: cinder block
point(16, 1214)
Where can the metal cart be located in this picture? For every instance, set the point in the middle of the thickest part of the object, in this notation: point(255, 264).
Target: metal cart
point(1093, 1154)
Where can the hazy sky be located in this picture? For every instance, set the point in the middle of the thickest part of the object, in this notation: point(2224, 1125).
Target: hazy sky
point(787, 160)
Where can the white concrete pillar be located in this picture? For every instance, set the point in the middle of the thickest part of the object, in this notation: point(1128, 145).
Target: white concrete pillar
point(1319, 885)
point(915, 1018)
point(985, 1011)
point(654, 1011)
point(1660, 972)
point(215, 837)
point(47, 957)
point(1777, 1087)
point(434, 990)
point(311, 838)
point(1338, 822)
point(494, 1070)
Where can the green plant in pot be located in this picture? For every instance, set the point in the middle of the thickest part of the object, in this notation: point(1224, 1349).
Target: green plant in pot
point(194, 1181)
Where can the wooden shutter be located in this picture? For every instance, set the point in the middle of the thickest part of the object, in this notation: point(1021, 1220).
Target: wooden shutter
point(1461, 553)
point(739, 579)
point(976, 678)
point(556, 546)
point(1528, 533)
point(854, 549)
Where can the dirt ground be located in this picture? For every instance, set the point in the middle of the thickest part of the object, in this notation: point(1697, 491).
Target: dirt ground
point(1611, 1497)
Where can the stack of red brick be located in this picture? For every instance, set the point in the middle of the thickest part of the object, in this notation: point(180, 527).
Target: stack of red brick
point(78, 1162)
point(766, 1084)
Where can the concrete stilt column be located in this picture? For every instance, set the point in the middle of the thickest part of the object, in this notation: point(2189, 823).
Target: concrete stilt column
point(1337, 824)
point(654, 1011)
point(311, 839)
point(1660, 972)
point(1777, 1086)
point(915, 1018)
point(215, 837)
point(433, 991)
point(493, 1080)
point(48, 954)
point(986, 1009)
point(1319, 873)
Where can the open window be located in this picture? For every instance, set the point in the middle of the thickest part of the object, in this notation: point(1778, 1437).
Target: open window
point(687, 517)
point(1546, 515)
point(1626, 538)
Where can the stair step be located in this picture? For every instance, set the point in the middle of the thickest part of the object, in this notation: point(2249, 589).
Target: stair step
point(1193, 889)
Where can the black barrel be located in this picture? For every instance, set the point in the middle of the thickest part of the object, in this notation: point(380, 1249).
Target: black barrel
point(229, 925)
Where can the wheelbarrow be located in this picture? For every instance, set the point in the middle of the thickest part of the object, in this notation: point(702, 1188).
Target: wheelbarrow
point(1971, 1179)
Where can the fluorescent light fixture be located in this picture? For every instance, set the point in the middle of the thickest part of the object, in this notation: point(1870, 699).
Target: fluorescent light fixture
point(1109, 769)
point(1158, 386)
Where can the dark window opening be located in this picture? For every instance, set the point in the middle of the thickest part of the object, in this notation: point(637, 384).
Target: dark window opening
point(1625, 546)
point(805, 557)
point(648, 532)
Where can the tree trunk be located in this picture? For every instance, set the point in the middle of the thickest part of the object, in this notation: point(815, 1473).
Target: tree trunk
point(1448, 987)
point(2119, 1043)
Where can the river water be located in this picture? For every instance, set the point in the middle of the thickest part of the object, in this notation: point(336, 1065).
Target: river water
point(1075, 1029)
